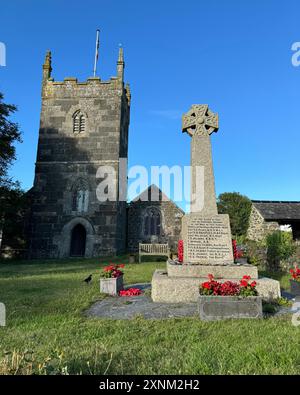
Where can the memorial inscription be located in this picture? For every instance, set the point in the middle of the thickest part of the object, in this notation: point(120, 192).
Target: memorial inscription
point(207, 239)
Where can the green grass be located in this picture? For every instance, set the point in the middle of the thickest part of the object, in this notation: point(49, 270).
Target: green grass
point(46, 331)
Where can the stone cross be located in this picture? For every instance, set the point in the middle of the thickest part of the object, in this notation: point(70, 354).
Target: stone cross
point(200, 122)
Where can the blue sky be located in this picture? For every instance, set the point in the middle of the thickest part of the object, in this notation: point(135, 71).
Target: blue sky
point(233, 55)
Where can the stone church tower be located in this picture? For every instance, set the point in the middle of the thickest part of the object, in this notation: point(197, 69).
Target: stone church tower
point(84, 125)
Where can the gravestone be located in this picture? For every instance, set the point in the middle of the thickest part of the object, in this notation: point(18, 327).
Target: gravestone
point(206, 234)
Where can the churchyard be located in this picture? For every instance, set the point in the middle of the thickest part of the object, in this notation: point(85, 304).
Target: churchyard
point(76, 297)
point(198, 312)
point(47, 331)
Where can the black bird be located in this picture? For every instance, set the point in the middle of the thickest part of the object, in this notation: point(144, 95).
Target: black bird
point(88, 279)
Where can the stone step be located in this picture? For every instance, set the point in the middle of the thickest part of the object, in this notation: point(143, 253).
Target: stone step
point(233, 271)
point(168, 289)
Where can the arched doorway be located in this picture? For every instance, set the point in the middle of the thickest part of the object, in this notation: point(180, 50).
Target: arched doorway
point(78, 241)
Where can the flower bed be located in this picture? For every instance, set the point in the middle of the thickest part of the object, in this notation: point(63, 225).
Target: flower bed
point(111, 279)
point(229, 288)
point(229, 299)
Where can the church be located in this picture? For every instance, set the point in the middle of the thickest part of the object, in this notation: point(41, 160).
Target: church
point(85, 125)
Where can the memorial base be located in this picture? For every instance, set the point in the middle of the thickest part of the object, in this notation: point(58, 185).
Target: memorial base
point(234, 271)
point(212, 308)
point(180, 283)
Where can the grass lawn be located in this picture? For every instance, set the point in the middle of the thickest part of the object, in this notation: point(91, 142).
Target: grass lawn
point(47, 333)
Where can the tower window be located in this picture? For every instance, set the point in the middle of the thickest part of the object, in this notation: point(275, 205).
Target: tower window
point(152, 222)
point(80, 197)
point(78, 122)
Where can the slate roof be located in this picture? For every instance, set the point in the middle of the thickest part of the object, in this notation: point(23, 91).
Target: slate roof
point(278, 210)
point(155, 191)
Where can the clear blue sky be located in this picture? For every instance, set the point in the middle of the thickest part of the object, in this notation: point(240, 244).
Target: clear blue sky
point(234, 55)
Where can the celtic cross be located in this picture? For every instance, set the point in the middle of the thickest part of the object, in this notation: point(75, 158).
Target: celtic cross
point(200, 122)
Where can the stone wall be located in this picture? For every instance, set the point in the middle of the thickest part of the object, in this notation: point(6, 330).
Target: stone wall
point(258, 227)
point(170, 224)
point(64, 157)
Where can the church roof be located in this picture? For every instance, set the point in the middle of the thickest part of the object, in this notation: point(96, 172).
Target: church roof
point(153, 194)
point(278, 210)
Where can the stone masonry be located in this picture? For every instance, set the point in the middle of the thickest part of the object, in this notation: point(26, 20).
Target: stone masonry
point(258, 227)
point(170, 220)
point(83, 125)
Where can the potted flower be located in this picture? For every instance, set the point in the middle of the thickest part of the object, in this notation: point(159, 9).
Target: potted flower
point(229, 299)
point(295, 281)
point(111, 279)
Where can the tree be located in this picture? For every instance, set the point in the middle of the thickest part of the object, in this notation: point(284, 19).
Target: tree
point(10, 193)
point(238, 207)
point(14, 207)
point(9, 135)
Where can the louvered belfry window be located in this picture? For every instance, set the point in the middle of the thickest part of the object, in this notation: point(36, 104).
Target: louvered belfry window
point(78, 122)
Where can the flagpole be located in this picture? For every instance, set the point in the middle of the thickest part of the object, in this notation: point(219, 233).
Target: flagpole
point(96, 51)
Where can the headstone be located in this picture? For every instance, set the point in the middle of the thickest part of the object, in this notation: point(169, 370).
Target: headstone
point(206, 234)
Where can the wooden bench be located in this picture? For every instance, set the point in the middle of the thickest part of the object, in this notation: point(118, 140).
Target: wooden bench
point(153, 249)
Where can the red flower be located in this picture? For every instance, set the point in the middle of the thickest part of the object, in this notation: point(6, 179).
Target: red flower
point(244, 283)
point(246, 277)
point(228, 288)
point(180, 250)
point(206, 285)
point(295, 273)
point(237, 253)
point(112, 271)
point(130, 292)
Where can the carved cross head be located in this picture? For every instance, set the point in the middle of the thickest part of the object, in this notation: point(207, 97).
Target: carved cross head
point(199, 120)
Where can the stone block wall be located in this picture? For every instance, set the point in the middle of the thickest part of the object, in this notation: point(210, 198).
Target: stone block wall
point(64, 157)
point(170, 224)
point(258, 227)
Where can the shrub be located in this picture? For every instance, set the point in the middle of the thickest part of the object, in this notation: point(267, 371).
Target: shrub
point(280, 246)
point(256, 253)
point(238, 207)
